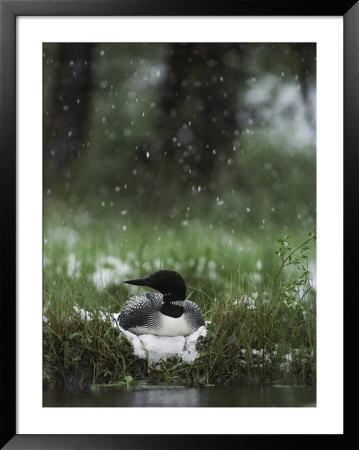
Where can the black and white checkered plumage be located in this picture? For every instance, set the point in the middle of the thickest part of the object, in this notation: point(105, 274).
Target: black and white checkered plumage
point(165, 314)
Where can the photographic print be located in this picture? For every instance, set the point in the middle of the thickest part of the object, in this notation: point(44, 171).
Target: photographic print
point(179, 224)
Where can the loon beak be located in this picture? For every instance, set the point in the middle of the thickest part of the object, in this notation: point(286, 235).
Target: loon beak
point(139, 282)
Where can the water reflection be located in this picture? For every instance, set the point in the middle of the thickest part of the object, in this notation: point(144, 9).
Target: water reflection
point(249, 396)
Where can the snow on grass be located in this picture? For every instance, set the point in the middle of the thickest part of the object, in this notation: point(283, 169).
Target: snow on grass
point(110, 270)
point(73, 266)
point(247, 301)
point(313, 272)
point(163, 347)
point(64, 234)
point(153, 347)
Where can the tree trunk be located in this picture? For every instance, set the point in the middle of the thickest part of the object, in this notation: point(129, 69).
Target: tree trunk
point(66, 122)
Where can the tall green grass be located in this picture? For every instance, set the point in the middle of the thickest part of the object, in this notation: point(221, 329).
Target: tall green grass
point(261, 312)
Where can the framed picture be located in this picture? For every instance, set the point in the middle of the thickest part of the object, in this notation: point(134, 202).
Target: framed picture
point(142, 136)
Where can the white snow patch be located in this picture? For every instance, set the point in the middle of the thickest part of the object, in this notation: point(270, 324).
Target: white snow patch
point(247, 301)
point(257, 277)
point(285, 366)
point(313, 272)
point(46, 261)
point(163, 347)
point(85, 315)
point(66, 234)
point(115, 273)
point(73, 266)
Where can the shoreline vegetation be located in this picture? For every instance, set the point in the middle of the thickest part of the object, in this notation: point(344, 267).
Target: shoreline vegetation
point(257, 295)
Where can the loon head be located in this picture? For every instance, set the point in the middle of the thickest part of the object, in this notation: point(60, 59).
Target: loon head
point(168, 282)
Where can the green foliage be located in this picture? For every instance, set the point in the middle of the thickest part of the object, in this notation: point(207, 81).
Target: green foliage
point(298, 259)
point(293, 257)
point(79, 352)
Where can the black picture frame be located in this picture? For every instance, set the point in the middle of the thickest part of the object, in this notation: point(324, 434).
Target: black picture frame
point(9, 10)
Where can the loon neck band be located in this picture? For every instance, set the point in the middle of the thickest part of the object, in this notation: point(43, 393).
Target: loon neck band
point(178, 303)
point(169, 297)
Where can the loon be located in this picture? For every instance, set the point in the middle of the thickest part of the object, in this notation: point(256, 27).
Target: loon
point(164, 314)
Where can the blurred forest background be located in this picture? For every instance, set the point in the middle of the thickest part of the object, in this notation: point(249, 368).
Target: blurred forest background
point(182, 131)
point(218, 135)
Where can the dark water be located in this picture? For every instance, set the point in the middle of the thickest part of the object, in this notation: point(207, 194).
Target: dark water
point(256, 396)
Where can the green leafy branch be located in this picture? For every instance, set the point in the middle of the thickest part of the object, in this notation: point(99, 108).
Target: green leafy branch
point(289, 256)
